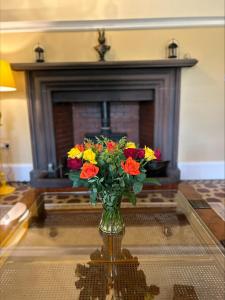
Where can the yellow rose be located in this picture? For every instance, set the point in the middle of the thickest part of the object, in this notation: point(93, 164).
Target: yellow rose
point(149, 154)
point(89, 155)
point(74, 153)
point(130, 145)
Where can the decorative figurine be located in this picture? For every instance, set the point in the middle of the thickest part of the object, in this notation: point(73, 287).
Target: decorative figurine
point(102, 48)
point(39, 53)
point(172, 49)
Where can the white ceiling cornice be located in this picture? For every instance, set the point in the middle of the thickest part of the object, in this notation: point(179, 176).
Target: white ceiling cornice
point(122, 24)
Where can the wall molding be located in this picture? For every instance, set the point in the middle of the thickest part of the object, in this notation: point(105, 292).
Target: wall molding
point(202, 170)
point(189, 170)
point(111, 24)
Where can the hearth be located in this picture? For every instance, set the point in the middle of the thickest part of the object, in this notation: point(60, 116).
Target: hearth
point(68, 101)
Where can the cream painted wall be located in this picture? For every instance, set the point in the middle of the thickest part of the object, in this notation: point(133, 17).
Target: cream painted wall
point(21, 10)
point(15, 124)
point(201, 135)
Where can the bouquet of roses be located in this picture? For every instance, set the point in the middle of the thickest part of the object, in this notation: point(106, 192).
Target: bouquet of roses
point(110, 170)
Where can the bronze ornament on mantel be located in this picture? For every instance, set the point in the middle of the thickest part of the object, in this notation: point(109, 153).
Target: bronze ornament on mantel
point(102, 48)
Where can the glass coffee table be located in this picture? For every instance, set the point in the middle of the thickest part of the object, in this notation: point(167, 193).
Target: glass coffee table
point(57, 252)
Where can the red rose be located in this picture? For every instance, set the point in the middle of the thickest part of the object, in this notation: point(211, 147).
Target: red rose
point(134, 153)
point(157, 154)
point(129, 152)
point(74, 163)
point(131, 166)
point(140, 153)
point(88, 171)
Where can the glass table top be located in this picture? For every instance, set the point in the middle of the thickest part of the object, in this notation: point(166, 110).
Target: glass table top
point(4, 209)
point(165, 252)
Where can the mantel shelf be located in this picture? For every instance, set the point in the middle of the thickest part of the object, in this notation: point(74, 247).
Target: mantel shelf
point(162, 63)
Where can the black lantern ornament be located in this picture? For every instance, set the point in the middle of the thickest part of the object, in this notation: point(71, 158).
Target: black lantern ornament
point(39, 53)
point(172, 49)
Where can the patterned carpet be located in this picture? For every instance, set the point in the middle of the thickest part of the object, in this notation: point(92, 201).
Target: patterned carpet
point(213, 191)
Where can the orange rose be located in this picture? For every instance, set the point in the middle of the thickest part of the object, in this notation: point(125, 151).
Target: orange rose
point(80, 147)
point(98, 147)
point(130, 166)
point(111, 146)
point(88, 171)
point(88, 145)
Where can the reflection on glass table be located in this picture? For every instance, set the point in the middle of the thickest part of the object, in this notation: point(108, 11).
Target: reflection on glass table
point(166, 252)
point(113, 270)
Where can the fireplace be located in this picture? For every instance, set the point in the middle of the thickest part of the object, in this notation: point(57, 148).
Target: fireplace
point(67, 100)
point(135, 120)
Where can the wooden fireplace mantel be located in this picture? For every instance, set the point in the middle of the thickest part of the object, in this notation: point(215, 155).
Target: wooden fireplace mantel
point(162, 63)
point(118, 81)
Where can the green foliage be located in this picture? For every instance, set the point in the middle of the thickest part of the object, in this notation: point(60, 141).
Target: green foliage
point(152, 181)
point(131, 196)
point(111, 182)
point(77, 181)
point(93, 196)
point(137, 187)
point(141, 177)
point(75, 177)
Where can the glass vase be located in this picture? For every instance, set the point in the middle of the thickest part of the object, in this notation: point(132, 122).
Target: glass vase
point(112, 221)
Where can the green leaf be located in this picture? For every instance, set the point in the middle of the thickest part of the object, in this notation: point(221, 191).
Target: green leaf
point(84, 182)
point(132, 198)
point(121, 172)
point(74, 175)
point(122, 183)
point(152, 180)
point(75, 178)
point(93, 196)
point(92, 180)
point(76, 183)
point(141, 177)
point(137, 187)
point(111, 168)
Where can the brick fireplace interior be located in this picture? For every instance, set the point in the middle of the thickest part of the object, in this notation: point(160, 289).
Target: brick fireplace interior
point(135, 119)
point(65, 104)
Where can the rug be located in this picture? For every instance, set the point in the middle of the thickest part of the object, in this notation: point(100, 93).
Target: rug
point(213, 191)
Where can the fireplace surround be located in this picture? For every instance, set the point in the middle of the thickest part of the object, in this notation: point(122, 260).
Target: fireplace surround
point(50, 85)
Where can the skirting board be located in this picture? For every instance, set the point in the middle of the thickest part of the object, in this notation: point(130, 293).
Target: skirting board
point(202, 170)
point(17, 172)
point(189, 171)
